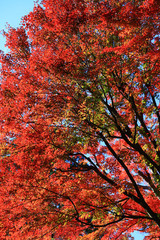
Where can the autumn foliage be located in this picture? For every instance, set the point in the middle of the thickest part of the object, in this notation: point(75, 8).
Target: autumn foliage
point(80, 122)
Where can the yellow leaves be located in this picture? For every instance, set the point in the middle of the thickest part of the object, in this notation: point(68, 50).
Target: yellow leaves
point(121, 190)
point(84, 215)
point(74, 87)
point(145, 147)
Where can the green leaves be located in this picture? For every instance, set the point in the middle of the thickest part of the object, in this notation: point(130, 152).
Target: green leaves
point(79, 121)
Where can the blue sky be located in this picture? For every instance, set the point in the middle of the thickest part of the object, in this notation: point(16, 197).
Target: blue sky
point(11, 12)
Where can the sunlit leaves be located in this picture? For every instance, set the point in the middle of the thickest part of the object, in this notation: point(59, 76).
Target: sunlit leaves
point(80, 121)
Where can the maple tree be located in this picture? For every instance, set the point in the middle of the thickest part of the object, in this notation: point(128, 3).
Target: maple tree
point(80, 121)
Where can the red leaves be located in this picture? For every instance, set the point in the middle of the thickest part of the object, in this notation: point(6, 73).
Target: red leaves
point(80, 121)
point(17, 41)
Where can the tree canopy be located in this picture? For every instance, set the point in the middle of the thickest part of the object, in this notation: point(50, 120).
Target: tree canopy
point(80, 121)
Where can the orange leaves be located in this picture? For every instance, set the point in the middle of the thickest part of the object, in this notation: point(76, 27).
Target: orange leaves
point(80, 122)
point(17, 41)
